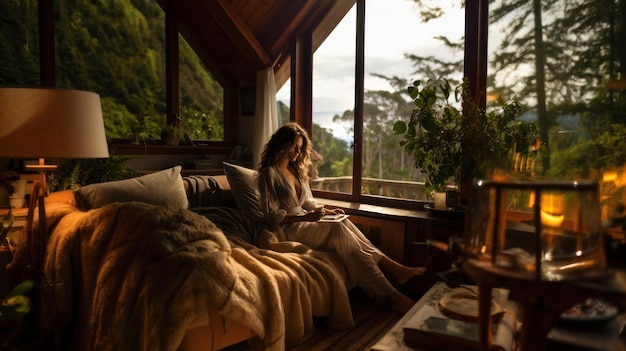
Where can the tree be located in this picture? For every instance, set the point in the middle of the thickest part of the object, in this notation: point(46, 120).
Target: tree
point(331, 148)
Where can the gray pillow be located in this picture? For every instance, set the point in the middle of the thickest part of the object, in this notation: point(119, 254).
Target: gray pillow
point(243, 183)
point(164, 188)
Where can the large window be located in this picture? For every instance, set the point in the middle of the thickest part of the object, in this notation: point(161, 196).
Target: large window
point(201, 97)
point(19, 51)
point(399, 47)
point(117, 50)
point(333, 107)
point(568, 68)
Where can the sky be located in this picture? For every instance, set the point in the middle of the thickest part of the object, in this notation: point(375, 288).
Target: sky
point(393, 28)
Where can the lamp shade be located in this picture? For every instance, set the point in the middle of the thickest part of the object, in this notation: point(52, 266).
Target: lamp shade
point(51, 123)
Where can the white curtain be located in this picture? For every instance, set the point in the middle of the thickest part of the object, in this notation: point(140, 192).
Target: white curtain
point(265, 114)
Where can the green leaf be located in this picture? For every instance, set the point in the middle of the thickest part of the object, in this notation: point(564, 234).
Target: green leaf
point(21, 289)
point(399, 127)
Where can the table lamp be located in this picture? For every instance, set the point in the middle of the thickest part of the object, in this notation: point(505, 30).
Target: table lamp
point(541, 239)
point(40, 123)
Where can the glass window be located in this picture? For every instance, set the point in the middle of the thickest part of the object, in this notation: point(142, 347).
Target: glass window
point(19, 38)
point(333, 107)
point(283, 102)
point(201, 97)
point(401, 47)
point(564, 66)
point(116, 50)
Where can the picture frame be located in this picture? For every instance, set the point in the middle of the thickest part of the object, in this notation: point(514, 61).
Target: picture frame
point(235, 155)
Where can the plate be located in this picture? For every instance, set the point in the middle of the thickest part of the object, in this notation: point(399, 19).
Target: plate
point(592, 310)
point(447, 213)
point(463, 305)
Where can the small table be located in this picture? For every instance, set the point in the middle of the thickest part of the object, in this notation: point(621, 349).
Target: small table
point(393, 340)
point(560, 338)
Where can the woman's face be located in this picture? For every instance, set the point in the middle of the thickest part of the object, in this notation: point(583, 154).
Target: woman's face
point(295, 150)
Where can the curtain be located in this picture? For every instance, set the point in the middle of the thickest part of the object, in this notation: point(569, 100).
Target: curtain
point(265, 114)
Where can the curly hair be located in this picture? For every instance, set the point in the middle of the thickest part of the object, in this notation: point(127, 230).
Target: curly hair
point(281, 143)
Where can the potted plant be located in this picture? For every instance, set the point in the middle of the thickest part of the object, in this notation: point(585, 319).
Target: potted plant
point(437, 129)
point(172, 135)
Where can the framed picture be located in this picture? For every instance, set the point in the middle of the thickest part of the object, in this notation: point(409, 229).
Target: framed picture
point(235, 155)
point(247, 99)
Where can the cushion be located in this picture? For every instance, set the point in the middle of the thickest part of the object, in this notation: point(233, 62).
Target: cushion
point(164, 188)
point(243, 183)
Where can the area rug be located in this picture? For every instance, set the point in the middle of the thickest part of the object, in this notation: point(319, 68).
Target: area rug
point(372, 320)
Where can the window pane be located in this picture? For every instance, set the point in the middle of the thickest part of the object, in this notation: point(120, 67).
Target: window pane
point(399, 48)
point(19, 52)
point(201, 97)
point(116, 50)
point(283, 101)
point(333, 106)
point(571, 84)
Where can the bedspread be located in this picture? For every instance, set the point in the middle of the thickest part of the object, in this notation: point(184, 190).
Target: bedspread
point(132, 276)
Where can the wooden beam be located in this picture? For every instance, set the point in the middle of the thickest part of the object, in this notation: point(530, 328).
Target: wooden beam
point(302, 83)
point(239, 32)
point(292, 27)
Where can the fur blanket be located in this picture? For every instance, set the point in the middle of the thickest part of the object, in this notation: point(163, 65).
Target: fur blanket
point(132, 276)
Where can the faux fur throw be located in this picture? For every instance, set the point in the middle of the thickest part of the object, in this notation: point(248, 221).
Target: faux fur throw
point(132, 276)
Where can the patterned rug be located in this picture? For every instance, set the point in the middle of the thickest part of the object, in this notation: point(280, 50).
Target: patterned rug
point(372, 319)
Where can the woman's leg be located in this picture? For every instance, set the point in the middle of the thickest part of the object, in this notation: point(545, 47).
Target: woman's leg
point(401, 273)
point(400, 302)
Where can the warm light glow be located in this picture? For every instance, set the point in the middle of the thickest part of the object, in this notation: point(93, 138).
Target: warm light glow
point(551, 220)
point(552, 208)
point(493, 96)
point(610, 176)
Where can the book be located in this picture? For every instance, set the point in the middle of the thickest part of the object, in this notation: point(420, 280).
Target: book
point(432, 329)
point(334, 217)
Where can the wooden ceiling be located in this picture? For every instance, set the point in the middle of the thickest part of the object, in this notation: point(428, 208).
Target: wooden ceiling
point(235, 38)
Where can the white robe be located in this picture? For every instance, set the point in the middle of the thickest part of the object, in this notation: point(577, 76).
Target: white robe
point(358, 254)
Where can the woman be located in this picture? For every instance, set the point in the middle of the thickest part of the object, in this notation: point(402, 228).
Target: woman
point(287, 201)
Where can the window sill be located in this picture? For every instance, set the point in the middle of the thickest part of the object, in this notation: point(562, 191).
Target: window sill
point(120, 147)
point(377, 211)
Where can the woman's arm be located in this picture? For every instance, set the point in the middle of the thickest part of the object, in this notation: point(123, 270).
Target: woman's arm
point(310, 216)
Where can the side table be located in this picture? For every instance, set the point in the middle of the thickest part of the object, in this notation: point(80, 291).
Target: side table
point(393, 340)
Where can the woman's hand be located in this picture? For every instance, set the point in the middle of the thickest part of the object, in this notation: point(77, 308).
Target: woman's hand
point(333, 211)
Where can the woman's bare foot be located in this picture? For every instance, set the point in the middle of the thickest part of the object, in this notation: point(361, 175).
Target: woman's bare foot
point(401, 303)
point(405, 273)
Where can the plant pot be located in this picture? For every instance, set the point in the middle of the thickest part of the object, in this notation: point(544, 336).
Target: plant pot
point(170, 139)
point(440, 200)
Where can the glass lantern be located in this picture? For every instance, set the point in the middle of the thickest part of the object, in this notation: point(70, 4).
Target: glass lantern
point(537, 230)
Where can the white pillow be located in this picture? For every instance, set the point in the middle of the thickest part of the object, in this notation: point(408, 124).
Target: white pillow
point(164, 188)
point(243, 183)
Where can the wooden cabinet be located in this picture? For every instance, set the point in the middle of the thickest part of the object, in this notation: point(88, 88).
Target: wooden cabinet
point(387, 235)
point(429, 228)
